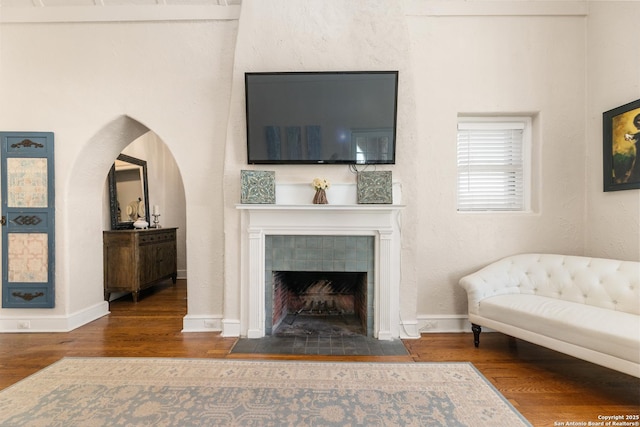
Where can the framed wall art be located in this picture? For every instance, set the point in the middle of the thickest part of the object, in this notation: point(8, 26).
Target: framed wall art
point(621, 147)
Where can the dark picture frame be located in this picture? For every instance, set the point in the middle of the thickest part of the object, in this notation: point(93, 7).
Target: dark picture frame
point(621, 147)
point(117, 222)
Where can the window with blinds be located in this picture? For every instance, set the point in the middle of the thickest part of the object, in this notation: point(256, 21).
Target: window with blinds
point(493, 158)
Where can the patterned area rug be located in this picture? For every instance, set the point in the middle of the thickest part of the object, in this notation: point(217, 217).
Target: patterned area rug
point(209, 392)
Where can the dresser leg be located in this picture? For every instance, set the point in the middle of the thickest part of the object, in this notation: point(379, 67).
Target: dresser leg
point(174, 278)
point(135, 296)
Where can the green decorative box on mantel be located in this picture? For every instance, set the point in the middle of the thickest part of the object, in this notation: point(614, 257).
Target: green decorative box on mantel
point(374, 187)
point(258, 187)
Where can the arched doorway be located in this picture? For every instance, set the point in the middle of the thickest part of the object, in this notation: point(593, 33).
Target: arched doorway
point(86, 212)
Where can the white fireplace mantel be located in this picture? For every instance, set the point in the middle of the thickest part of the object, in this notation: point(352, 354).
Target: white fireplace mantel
point(380, 221)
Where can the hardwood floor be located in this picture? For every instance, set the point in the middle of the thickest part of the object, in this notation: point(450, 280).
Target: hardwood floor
point(548, 388)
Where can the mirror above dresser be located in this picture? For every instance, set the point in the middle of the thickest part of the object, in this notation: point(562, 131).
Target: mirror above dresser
point(128, 192)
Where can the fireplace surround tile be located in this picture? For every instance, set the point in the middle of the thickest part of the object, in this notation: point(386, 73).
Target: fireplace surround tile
point(318, 253)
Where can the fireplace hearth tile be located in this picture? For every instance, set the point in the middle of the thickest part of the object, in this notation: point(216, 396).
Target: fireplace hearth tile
point(315, 345)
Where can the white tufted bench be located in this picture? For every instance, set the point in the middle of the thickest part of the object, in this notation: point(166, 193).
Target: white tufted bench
point(585, 307)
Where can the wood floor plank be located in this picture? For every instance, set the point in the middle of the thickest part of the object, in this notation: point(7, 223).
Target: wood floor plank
point(547, 387)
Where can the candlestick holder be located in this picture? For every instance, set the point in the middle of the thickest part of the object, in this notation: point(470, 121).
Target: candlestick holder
point(156, 222)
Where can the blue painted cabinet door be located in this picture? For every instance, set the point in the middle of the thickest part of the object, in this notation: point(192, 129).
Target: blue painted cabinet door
point(28, 246)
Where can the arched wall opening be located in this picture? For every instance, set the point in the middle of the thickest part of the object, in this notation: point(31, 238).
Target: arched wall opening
point(87, 210)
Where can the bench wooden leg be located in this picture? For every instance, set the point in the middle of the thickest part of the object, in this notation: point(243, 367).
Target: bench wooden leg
point(476, 334)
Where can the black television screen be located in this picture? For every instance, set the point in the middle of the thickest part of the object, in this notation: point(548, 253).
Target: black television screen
point(321, 117)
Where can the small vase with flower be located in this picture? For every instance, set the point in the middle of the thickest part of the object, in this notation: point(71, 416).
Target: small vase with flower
point(321, 186)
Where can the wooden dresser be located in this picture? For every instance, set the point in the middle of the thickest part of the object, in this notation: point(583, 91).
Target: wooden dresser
point(137, 259)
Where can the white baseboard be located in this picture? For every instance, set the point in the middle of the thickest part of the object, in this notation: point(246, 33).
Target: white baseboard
point(53, 323)
point(441, 323)
point(437, 323)
point(230, 328)
point(90, 314)
point(201, 323)
point(409, 330)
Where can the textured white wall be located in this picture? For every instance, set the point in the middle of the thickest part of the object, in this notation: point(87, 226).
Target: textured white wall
point(448, 65)
point(496, 65)
point(81, 81)
point(184, 81)
point(308, 35)
point(613, 218)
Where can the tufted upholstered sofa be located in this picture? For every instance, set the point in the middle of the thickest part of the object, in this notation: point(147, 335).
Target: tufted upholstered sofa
point(585, 307)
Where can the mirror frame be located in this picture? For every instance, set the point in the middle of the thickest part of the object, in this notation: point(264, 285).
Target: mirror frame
point(116, 224)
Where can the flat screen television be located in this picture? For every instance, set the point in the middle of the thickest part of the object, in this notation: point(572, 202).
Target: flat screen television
point(321, 117)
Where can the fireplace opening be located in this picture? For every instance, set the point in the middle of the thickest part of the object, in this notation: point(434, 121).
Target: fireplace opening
point(319, 303)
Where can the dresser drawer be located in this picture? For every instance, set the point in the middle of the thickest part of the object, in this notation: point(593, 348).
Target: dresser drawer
point(157, 237)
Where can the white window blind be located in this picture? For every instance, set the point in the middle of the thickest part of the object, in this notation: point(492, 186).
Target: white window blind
point(491, 166)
